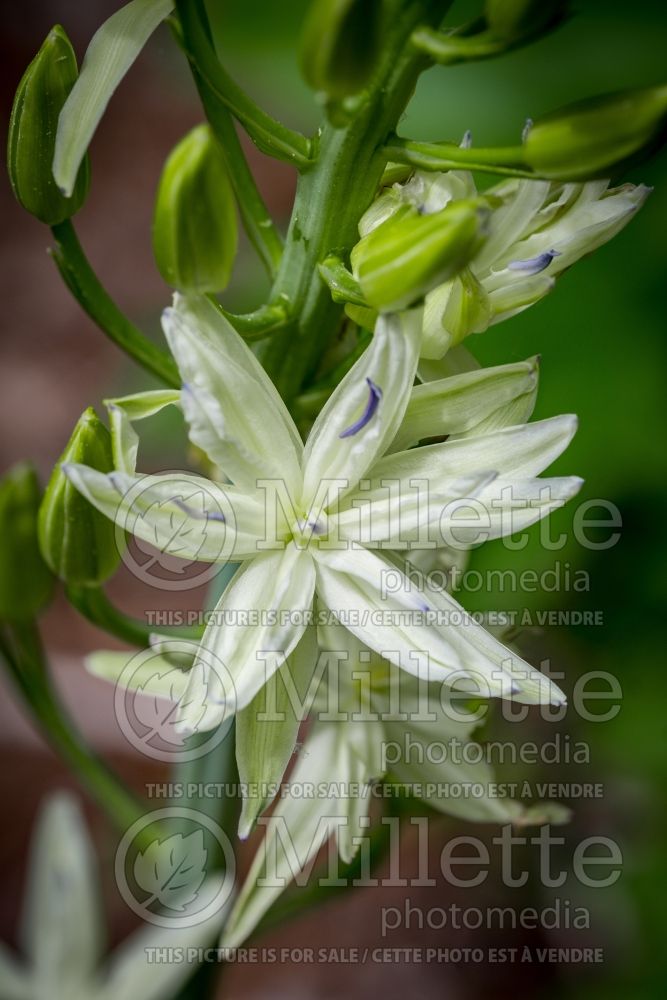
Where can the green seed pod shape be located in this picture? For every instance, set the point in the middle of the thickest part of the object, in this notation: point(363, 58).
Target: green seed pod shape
point(409, 254)
point(195, 232)
point(26, 582)
point(340, 44)
point(78, 542)
point(32, 132)
point(595, 136)
point(511, 20)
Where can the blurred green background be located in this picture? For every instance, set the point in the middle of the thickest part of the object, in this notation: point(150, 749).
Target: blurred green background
point(602, 339)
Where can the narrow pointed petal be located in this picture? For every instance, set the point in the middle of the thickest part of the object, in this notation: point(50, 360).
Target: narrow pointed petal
point(403, 519)
point(111, 52)
point(181, 515)
point(392, 615)
point(389, 364)
point(512, 452)
point(457, 404)
point(299, 827)
point(263, 611)
point(267, 730)
point(234, 411)
point(63, 893)
point(122, 414)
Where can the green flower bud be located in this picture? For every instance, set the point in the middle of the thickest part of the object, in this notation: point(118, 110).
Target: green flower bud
point(409, 254)
point(195, 232)
point(32, 132)
point(339, 45)
point(511, 20)
point(594, 136)
point(25, 580)
point(77, 541)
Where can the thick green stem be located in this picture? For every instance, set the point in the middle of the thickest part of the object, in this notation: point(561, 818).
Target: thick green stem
point(22, 651)
point(84, 285)
point(332, 195)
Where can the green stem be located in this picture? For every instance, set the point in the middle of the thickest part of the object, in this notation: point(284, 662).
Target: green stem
point(84, 285)
point(22, 650)
point(96, 607)
point(504, 160)
point(257, 222)
point(271, 136)
point(341, 282)
point(258, 324)
point(332, 195)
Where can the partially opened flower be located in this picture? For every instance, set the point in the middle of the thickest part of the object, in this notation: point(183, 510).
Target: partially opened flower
point(371, 723)
point(311, 518)
point(535, 232)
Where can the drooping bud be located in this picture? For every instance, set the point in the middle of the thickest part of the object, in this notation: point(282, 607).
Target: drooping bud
point(511, 20)
point(195, 231)
point(39, 99)
point(593, 137)
point(25, 580)
point(77, 541)
point(339, 45)
point(409, 254)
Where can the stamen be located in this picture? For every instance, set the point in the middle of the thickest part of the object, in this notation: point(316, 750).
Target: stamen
point(534, 264)
point(526, 129)
point(374, 397)
point(466, 141)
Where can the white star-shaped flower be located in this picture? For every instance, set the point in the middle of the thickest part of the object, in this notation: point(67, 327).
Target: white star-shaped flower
point(314, 518)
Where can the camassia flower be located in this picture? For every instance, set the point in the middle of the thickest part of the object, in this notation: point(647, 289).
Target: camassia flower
point(535, 231)
point(314, 518)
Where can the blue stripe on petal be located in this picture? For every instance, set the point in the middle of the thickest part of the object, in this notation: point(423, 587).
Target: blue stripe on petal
point(374, 397)
point(534, 264)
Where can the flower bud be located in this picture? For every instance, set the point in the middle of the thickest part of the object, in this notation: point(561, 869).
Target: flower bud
point(512, 20)
point(339, 45)
point(194, 228)
point(594, 136)
point(409, 253)
point(25, 580)
point(39, 100)
point(77, 541)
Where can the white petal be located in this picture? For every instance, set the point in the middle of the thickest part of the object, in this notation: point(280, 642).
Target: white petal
point(62, 894)
point(111, 52)
point(410, 517)
point(519, 452)
point(235, 412)
point(389, 362)
point(180, 515)
point(375, 601)
point(123, 412)
point(300, 826)
point(264, 610)
point(267, 729)
point(457, 404)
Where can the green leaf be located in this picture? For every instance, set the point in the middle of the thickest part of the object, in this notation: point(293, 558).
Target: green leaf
point(113, 49)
